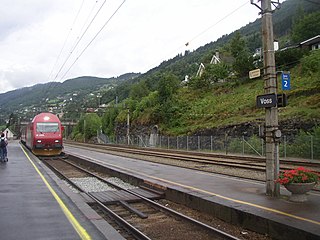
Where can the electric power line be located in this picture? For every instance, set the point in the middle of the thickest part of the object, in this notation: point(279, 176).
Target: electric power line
point(80, 39)
point(223, 18)
point(65, 41)
point(314, 2)
point(94, 38)
point(207, 29)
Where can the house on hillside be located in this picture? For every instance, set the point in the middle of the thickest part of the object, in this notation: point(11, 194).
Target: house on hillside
point(311, 43)
point(9, 134)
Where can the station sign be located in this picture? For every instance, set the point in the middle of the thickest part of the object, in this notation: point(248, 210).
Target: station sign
point(266, 101)
point(254, 73)
point(285, 81)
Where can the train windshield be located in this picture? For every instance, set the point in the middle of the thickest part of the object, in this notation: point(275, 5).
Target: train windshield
point(46, 127)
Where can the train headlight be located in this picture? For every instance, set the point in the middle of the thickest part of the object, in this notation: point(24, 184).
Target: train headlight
point(38, 141)
point(57, 141)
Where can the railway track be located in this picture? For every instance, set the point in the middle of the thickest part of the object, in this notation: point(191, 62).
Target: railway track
point(245, 167)
point(135, 212)
point(203, 161)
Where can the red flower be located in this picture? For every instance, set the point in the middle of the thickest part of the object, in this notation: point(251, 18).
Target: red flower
point(298, 175)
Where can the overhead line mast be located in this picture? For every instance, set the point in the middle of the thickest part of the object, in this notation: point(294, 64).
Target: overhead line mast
point(272, 132)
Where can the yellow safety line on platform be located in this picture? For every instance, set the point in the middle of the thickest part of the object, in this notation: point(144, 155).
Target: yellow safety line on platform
point(213, 194)
point(80, 230)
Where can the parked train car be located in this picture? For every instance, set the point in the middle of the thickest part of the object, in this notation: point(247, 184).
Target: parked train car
point(43, 136)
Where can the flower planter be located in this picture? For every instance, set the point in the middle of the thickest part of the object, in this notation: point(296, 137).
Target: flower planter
point(299, 190)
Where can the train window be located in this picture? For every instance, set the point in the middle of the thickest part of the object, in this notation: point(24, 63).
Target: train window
point(47, 127)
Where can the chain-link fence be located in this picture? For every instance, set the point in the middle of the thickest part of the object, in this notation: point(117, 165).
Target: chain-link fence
point(303, 146)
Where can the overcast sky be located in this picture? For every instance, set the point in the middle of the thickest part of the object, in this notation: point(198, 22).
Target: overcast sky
point(46, 40)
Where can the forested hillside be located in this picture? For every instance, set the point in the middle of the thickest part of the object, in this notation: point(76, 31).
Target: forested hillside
point(35, 97)
point(222, 96)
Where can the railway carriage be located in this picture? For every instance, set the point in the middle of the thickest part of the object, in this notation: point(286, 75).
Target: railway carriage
point(43, 136)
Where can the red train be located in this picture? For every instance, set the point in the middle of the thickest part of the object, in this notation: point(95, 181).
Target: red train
point(43, 136)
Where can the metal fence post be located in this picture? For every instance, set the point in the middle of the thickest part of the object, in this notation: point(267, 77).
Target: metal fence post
point(198, 143)
point(211, 143)
point(168, 142)
point(177, 142)
point(285, 146)
point(242, 145)
point(311, 142)
point(187, 143)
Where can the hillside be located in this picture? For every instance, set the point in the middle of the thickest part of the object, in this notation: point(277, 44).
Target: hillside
point(226, 103)
point(27, 101)
point(188, 63)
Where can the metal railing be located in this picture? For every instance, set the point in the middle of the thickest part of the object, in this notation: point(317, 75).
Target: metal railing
point(307, 146)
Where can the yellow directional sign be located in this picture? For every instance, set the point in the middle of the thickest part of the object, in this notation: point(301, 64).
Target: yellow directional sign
point(254, 73)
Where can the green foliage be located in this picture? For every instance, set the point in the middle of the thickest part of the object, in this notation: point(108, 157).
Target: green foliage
point(301, 146)
point(168, 86)
point(200, 83)
point(216, 72)
point(108, 121)
point(212, 74)
point(307, 27)
point(311, 64)
point(288, 58)
point(139, 90)
point(246, 146)
point(145, 104)
point(92, 125)
point(87, 127)
point(243, 59)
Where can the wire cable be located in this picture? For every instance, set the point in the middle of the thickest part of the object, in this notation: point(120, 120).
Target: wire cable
point(219, 21)
point(65, 41)
point(80, 39)
point(207, 29)
point(314, 2)
point(94, 38)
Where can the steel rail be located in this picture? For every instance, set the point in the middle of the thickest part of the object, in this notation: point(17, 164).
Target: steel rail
point(122, 222)
point(159, 206)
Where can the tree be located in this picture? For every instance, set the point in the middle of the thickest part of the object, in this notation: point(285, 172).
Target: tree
point(139, 90)
point(108, 121)
point(168, 85)
point(87, 127)
point(307, 27)
point(216, 72)
point(92, 125)
point(243, 60)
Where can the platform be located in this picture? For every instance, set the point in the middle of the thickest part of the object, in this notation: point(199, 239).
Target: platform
point(34, 206)
point(242, 202)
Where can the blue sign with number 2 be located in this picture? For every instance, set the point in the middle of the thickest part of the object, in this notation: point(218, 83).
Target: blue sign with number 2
point(286, 81)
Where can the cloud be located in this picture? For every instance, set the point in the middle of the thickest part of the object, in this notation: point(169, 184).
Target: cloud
point(37, 37)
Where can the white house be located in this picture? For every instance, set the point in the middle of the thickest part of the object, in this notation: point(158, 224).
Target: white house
point(9, 134)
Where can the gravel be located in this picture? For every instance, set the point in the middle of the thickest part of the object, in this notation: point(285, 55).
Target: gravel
point(92, 184)
point(118, 182)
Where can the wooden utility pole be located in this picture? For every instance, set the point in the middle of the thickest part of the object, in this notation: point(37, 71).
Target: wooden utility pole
point(128, 126)
point(272, 133)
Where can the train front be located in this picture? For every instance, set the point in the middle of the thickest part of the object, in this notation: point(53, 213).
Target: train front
point(47, 136)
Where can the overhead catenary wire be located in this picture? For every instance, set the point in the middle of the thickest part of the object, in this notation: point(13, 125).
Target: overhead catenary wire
point(216, 23)
point(51, 84)
point(65, 41)
point(313, 1)
point(74, 47)
point(207, 29)
point(104, 25)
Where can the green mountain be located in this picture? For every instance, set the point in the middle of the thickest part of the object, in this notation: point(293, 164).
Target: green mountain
point(28, 101)
point(189, 111)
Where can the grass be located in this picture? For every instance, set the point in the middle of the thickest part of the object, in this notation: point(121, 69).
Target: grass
point(234, 102)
